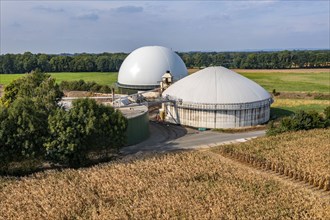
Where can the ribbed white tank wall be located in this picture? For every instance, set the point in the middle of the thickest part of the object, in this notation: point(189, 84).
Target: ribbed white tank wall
point(220, 115)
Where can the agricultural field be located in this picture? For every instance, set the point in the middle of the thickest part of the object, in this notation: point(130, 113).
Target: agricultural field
point(303, 152)
point(292, 80)
point(317, 80)
point(184, 185)
point(106, 78)
point(284, 107)
point(299, 89)
point(288, 80)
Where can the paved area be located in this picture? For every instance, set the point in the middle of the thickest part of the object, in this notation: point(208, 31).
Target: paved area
point(169, 137)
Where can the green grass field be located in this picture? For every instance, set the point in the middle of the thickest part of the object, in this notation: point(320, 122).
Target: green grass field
point(285, 107)
point(282, 81)
point(98, 77)
point(291, 81)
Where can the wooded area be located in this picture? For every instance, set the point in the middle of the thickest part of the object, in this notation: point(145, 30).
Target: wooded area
point(110, 62)
point(35, 128)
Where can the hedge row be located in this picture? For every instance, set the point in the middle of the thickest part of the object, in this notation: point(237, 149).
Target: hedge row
point(81, 85)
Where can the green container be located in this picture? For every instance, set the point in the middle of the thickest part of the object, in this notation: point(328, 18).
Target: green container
point(137, 129)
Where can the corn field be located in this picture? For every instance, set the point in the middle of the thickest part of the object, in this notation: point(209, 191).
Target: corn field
point(186, 185)
point(303, 156)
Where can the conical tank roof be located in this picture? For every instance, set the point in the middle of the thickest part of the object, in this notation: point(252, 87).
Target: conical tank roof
point(217, 85)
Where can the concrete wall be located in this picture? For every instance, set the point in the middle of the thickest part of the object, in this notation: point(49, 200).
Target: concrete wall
point(209, 117)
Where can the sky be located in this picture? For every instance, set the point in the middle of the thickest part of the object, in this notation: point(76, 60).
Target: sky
point(61, 26)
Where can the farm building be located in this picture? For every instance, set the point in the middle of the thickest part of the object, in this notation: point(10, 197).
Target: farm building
point(144, 67)
point(217, 97)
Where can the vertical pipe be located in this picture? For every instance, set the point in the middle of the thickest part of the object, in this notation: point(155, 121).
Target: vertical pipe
point(113, 95)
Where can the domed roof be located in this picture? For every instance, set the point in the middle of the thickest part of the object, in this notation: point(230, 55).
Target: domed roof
point(145, 67)
point(215, 85)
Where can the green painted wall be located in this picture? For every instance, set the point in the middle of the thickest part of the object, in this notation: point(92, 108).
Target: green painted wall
point(137, 129)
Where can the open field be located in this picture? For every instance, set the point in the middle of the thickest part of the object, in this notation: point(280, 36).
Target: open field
point(192, 185)
point(281, 71)
point(303, 151)
point(288, 80)
point(312, 70)
point(5, 79)
point(298, 80)
point(291, 81)
point(98, 77)
point(285, 107)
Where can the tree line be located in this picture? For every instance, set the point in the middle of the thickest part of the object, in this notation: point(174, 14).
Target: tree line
point(259, 60)
point(111, 62)
point(27, 62)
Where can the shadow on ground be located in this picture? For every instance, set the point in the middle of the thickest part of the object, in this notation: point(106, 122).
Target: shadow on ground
point(279, 112)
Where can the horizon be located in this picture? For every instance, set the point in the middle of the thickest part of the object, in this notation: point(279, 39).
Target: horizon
point(200, 51)
point(59, 27)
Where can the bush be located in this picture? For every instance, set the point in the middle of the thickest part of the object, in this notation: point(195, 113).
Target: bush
point(23, 130)
point(24, 109)
point(105, 89)
point(275, 93)
point(81, 85)
point(326, 113)
point(306, 120)
point(300, 121)
point(84, 128)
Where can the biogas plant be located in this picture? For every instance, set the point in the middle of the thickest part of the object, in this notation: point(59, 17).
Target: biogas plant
point(156, 82)
point(214, 97)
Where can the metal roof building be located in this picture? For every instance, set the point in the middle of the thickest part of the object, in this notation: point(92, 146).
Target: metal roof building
point(144, 67)
point(217, 97)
